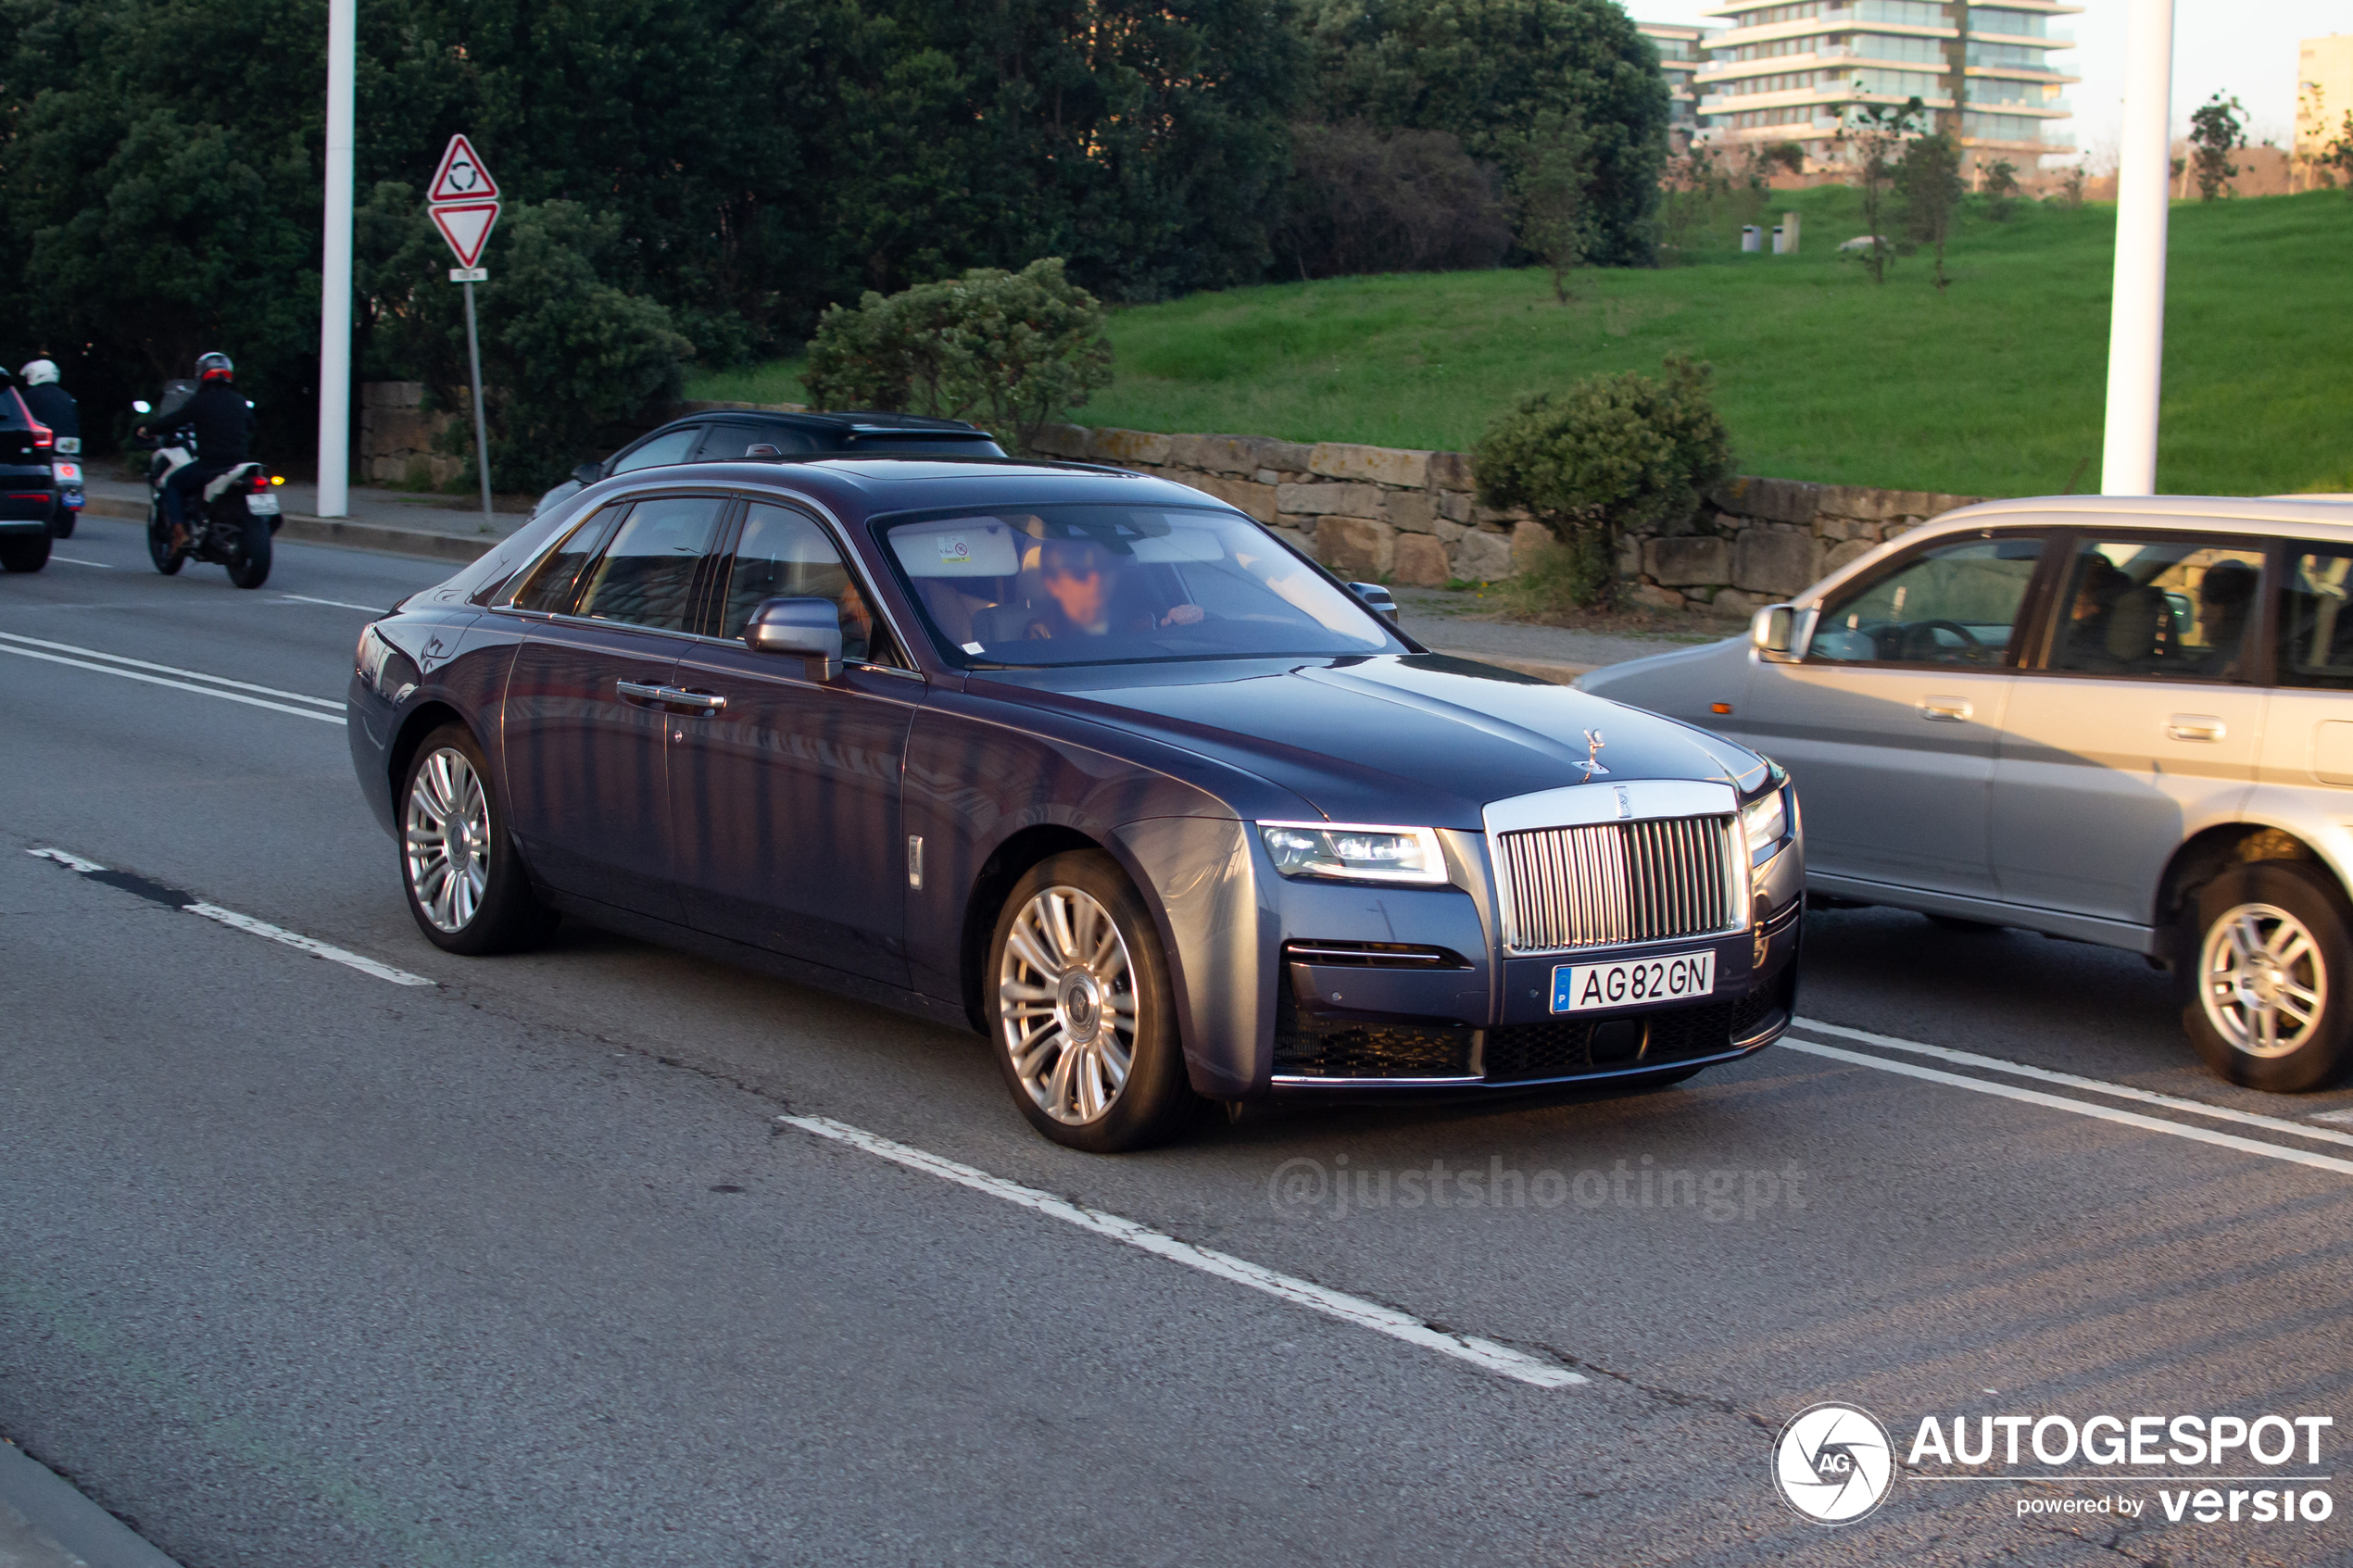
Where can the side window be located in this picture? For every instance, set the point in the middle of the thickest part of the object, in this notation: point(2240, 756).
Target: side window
point(783, 554)
point(2171, 610)
point(728, 441)
point(2316, 628)
point(671, 447)
point(647, 576)
point(551, 585)
point(1955, 603)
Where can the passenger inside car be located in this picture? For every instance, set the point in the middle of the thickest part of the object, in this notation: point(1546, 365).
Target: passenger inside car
point(1087, 593)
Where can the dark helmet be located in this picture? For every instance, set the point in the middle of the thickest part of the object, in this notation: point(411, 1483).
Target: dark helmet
point(210, 366)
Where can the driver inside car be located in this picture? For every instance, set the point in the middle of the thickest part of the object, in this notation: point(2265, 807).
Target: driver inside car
point(1086, 588)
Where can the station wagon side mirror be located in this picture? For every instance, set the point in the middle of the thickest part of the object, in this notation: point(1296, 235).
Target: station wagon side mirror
point(810, 628)
point(1378, 599)
point(1782, 632)
point(588, 473)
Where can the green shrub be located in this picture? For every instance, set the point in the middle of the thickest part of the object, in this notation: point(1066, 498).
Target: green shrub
point(1611, 454)
point(1009, 350)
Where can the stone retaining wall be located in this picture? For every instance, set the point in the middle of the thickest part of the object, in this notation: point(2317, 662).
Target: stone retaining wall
point(396, 437)
point(1410, 516)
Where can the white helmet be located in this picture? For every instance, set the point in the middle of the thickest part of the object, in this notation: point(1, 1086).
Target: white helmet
point(40, 373)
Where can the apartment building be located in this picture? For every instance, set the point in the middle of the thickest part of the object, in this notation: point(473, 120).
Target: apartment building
point(1787, 71)
point(1681, 51)
point(2323, 90)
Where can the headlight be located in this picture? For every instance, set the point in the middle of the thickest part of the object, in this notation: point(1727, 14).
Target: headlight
point(1766, 821)
point(1348, 853)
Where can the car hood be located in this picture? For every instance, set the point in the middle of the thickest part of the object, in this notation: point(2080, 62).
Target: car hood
point(1425, 738)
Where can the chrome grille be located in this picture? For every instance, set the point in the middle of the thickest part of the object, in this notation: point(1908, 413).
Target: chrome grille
point(1618, 883)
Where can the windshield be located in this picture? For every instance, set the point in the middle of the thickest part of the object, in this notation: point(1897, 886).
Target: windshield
point(1095, 585)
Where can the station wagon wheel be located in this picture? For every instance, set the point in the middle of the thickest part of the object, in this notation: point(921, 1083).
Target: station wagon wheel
point(2269, 961)
point(466, 885)
point(1079, 1011)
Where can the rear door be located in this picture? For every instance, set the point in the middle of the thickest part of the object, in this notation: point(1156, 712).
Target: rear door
point(1892, 721)
point(2136, 722)
point(585, 728)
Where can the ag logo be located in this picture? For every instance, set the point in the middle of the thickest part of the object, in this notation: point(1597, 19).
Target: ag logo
point(1833, 1462)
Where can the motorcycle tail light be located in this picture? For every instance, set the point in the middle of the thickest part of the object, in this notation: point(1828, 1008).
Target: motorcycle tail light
point(260, 481)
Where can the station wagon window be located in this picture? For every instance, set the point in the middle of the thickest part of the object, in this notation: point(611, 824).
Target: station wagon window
point(782, 554)
point(728, 441)
point(671, 447)
point(2165, 609)
point(2315, 626)
point(647, 575)
point(1955, 603)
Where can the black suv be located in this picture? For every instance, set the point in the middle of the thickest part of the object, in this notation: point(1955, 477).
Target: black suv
point(28, 485)
point(725, 435)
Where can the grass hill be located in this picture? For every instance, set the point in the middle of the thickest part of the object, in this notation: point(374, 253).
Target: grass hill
point(1997, 386)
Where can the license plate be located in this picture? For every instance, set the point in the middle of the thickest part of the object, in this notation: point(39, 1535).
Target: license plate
point(262, 504)
point(1674, 977)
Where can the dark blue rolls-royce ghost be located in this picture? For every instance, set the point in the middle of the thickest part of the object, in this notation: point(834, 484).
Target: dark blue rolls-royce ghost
point(1087, 761)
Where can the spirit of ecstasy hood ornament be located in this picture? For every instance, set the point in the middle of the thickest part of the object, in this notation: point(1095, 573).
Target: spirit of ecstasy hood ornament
point(1592, 763)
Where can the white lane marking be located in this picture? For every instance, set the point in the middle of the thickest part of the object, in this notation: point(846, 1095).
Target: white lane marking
point(179, 685)
point(2097, 1086)
point(232, 918)
point(335, 703)
point(77, 560)
point(311, 945)
point(1482, 1353)
point(2332, 1116)
point(339, 603)
point(2079, 1107)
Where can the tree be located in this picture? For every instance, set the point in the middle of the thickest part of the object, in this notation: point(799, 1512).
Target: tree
point(1929, 177)
point(2337, 156)
point(2217, 130)
point(1012, 349)
point(2071, 195)
point(1613, 453)
point(1695, 181)
point(1873, 132)
point(1486, 69)
point(1407, 201)
point(1997, 181)
point(1549, 196)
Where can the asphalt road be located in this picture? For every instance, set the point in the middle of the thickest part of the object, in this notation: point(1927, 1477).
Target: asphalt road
point(301, 1265)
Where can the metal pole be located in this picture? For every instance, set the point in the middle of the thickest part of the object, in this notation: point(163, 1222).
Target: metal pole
point(335, 272)
point(2137, 323)
point(482, 436)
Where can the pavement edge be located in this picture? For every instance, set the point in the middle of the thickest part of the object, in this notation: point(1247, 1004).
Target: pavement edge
point(51, 1505)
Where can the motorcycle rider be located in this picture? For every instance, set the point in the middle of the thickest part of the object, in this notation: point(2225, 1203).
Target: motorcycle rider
point(223, 423)
point(52, 404)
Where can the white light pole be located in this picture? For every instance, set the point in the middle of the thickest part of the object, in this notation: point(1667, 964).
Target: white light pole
point(335, 272)
point(2136, 324)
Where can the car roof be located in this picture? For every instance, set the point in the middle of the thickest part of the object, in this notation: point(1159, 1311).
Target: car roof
point(855, 488)
point(2316, 517)
point(844, 421)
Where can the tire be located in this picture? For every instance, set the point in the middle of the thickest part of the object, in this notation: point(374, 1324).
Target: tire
point(1048, 955)
point(488, 906)
point(167, 561)
point(2267, 969)
point(251, 567)
point(61, 523)
point(19, 553)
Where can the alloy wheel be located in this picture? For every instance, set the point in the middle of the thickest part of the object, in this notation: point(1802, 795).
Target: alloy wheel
point(2262, 980)
point(447, 846)
point(1067, 1004)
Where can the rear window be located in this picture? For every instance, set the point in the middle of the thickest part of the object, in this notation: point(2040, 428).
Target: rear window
point(12, 414)
point(923, 446)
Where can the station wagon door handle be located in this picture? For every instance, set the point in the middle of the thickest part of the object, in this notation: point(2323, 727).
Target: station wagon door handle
point(1945, 709)
point(701, 702)
point(639, 691)
point(2195, 726)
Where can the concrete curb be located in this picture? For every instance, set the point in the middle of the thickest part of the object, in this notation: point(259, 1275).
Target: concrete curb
point(456, 548)
point(83, 1533)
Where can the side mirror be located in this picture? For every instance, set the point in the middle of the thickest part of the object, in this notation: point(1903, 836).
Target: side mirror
point(588, 473)
point(1378, 599)
point(1782, 632)
point(810, 628)
point(141, 406)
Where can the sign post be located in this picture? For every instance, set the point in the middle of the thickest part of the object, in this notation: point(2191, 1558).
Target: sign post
point(465, 206)
point(2136, 315)
point(334, 271)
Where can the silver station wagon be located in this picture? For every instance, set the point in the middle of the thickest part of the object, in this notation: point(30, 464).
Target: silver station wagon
point(2128, 721)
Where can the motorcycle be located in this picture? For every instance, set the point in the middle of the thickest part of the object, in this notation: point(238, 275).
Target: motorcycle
point(64, 471)
point(233, 518)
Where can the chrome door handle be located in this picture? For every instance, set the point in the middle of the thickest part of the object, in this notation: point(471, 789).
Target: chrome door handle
point(701, 702)
point(1945, 709)
point(2195, 726)
point(639, 690)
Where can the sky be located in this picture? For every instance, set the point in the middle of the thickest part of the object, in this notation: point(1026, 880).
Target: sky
point(2244, 48)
